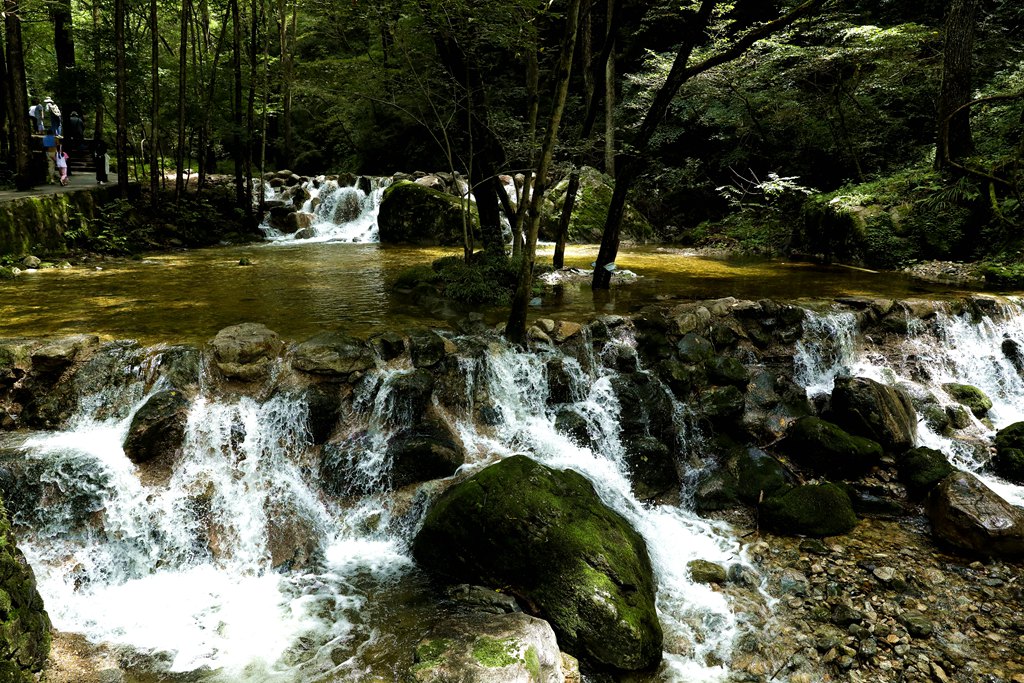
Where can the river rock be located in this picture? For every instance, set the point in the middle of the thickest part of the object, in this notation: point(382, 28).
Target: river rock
point(810, 509)
point(31, 262)
point(1008, 462)
point(24, 624)
point(970, 396)
point(56, 355)
point(878, 411)
point(280, 217)
point(428, 451)
point(157, 431)
point(544, 535)
point(413, 214)
point(826, 448)
point(323, 403)
point(332, 353)
point(246, 352)
point(969, 515)
point(652, 467)
point(921, 469)
point(488, 648)
point(348, 208)
point(387, 345)
point(426, 348)
point(408, 397)
point(702, 571)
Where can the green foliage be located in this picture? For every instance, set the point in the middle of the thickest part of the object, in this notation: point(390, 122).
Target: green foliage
point(494, 653)
point(486, 280)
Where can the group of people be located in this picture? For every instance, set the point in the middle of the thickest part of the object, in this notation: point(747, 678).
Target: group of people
point(47, 112)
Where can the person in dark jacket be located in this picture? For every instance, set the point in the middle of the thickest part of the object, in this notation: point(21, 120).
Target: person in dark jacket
point(75, 132)
point(99, 156)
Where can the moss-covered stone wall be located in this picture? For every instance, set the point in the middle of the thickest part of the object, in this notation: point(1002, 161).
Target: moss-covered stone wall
point(38, 224)
point(24, 624)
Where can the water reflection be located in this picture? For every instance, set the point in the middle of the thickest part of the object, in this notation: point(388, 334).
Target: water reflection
point(301, 289)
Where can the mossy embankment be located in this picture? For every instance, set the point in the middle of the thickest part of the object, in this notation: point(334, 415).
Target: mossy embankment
point(41, 223)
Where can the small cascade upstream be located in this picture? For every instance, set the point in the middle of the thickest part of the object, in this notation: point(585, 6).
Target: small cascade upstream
point(973, 347)
point(335, 212)
point(241, 566)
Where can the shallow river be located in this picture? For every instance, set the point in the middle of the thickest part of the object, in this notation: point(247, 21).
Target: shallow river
point(300, 289)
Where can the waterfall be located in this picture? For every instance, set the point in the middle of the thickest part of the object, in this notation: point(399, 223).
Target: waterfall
point(950, 346)
point(241, 566)
point(337, 212)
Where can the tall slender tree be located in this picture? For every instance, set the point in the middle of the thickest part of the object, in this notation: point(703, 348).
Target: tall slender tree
point(954, 139)
point(515, 329)
point(121, 77)
point(237, 147)
point(64, 51)
point(179, 156)
point(154, 115)
point(17, 94)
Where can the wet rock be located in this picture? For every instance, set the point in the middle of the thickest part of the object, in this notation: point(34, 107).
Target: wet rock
point(246, 352)
point(569, 422)
point(826, 448)
point(348, 208)
point(324, 407)
point(561, 383)
point(413, 214)
point(291, 539)
point(921, 469)
point(1014, 352)
point(916, 623)
point(31, 262)
point(332, 353)
point(408, 397)
point(157, 431)
point(1008, 461)
point(702, 571)
point(728, 371)
point(721, 404)
point(24, 624)
point(565, 330)
point(646, 407)
point(482, 599)
point(297, 221)
point(970, 396)
point(683, 378)
point(488, 648)
point(544, 535)
point(747, 475)
point(388, 345)
point(426, 348)
point(180, 366)
point(969, 515)
point(693, 348)
point(422, 453)
point(652, 467)
point(878, 411)
point(810, 509)
point(56, 355)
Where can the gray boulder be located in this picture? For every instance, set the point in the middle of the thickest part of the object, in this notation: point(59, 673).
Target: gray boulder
point(878, 411)
point(246, 352)
point(333, 354)
point(413, 214)
point(157, 431)
point(969, 515)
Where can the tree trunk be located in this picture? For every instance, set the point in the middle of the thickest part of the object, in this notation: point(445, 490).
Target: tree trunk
point(17, 95)
point(250, 107)
point(97, 66)
point(515, 329)
point(179, 157)
point(121, 143)
point(6, 115)
point(609, 90)
point(154, 115)
point(287, 71)
point(236, 102)
point(64, 52)
point(954, 129)
point(533, 101)
point(629, 168)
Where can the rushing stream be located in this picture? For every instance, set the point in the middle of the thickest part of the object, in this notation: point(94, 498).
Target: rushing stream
point(195, 572)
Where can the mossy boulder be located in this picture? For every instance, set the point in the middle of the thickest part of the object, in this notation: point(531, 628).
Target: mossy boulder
point(545, 536)
point(810, 510)
point(590, 210)
point(413, 214)
point(878, 411)
point(741, 475)
point(332, 354)
point(828, 449)
point(973, 398)
point(488, 648)
point(24, 624)
point(1008, 462)
point(920, 469)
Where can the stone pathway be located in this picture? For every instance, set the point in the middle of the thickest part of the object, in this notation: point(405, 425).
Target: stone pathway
point(79, 181)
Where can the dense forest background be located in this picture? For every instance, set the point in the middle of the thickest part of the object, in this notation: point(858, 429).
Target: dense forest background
point(842, 132)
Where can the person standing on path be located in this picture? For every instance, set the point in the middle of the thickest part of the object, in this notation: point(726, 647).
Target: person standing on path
point(99, 157)
point(54, 111)
point(75, 132)
point(35, 112)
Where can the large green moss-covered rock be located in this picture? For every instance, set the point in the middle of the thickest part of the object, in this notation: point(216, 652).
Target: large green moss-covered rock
point(590, 210)
point(545, 536)
point(1008, 461)
point(39, 223)
point(878, 411)
point(828, 449)
point(970, 396)
point(920, 469)
point(810, 510)
point(24, 624)
point(415, 214)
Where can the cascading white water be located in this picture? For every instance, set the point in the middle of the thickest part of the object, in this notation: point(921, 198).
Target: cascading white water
point(240, 566)
point(698, 622)
point(962, 348)
point(339, 213)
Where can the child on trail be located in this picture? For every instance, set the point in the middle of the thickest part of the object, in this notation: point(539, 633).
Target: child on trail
point(62, 165)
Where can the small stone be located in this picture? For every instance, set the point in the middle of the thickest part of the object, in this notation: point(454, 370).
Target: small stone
point(916, 623)
point(884, 574)
point(702, 571)
point(938, 673)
